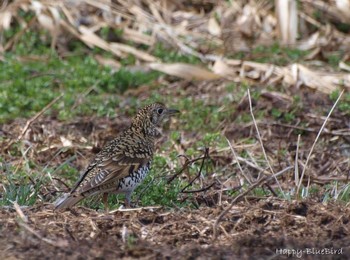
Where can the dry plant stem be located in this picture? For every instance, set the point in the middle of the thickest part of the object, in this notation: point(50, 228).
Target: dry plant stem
point(260, 182)
point(261, 143)
point(316, 139)
point(33, 119)
point(206, 155)
point(30, 121)
point(187, 163)
point(200, 190)
point(254, 166)
point(151, 208)
point(281, 172)
point(84, 94)
point(239, 197)
point(239, 165)
point(307, 129)
point(271, 190)
point(46, 240)
point(308, 185)
point(20, 212)
point(296, 168)
point(18, 35)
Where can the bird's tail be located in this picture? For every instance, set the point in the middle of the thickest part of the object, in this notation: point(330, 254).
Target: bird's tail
point(66, 201)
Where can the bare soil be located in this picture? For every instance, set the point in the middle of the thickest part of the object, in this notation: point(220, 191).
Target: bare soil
point(253, 229)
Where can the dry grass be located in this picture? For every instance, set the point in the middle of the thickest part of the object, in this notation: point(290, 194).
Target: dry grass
point(212, 35)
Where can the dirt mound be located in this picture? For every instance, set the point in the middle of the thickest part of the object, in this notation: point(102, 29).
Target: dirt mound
point(261, 228)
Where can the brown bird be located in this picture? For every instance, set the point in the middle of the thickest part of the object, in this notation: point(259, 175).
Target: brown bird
point(123, 163)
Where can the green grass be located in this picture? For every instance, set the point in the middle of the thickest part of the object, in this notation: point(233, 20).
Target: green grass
point(18, 185)
point(171, 56)
point(344, 103)
point(274, 54)
point(27, 87)
point(33, 75)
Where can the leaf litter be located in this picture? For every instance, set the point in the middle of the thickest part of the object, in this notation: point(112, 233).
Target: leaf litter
point(251, 229)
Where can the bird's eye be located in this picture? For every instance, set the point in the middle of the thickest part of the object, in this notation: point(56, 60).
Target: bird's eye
point(160, 111)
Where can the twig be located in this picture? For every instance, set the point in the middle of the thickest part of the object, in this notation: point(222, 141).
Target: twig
point(135, 209)
point(282, 171)
point(271, 190)
point(18, 35)
point(20, 212)
point(59, 244)
point(206, 155)
point(253, 165)
point(239, 197)
point(62, 182)
point(296, 167)
point(236, 158)
point(261, 143)
point(262, 180)
point(33, 119)
point(82, 95)
point(30, 121)
point(200, 190)
point(316, 139)
point(308, 129)
point(184, 167)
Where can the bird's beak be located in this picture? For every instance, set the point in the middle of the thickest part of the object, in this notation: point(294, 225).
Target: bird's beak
point(173, 111)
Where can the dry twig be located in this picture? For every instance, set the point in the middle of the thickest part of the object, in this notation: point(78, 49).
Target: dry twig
point(261, 142)
point(316, 139)
point(32, 120)
point(59, 244)
point(239, 197)
point(19, 212)
point(260, 182)
point(239, 165)
point(206, 155)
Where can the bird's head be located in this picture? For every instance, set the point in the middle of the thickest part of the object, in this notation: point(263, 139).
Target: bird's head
point(152, 116)
point(158, 113)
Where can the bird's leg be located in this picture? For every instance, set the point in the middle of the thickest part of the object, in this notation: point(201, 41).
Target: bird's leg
point(105, 201)
point(127, 200)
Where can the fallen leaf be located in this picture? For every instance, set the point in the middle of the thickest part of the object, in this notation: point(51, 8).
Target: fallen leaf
point(185, 71)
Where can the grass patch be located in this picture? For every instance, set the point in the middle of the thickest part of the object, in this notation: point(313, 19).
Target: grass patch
point(344, 104)
point(274, 54)
point(29, 86)
point(16, 185)
point(171, 56)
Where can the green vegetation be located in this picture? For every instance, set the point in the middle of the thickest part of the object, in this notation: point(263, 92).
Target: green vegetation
point(274, 54)
point(26, 87)
point(33, 75)
point(344, 104)
point(19, 186)
point(171, 56)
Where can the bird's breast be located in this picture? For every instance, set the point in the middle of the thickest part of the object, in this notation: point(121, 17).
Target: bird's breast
point(135, 178)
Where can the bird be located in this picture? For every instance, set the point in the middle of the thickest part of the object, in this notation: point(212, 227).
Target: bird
point(124, 162)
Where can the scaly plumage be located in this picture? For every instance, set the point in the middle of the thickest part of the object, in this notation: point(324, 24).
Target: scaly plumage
point(123, 163)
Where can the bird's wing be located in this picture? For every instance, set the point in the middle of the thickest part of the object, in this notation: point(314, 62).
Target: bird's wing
point(111, 169)
point(116, 168)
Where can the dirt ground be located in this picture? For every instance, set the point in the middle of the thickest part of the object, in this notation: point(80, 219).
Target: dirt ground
point(253, 229)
